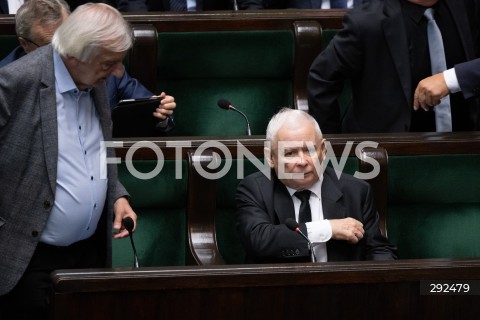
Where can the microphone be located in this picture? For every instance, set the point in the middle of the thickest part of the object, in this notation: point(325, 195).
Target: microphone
point(128, 224)
point(294, 226)
point(225, 104)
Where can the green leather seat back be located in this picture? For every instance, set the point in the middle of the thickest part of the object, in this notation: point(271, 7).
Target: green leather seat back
point(251, 69)
point(160, 204)
point(434, 206)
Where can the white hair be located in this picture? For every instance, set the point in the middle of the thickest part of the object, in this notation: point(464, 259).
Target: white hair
point(290, 117)
point(91, 27)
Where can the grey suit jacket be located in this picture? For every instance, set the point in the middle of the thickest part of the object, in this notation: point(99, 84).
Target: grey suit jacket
point(28, 161)
point(372, 52)
point(263, 205)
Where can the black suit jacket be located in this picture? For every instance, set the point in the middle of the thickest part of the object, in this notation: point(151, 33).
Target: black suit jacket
point(3, 6)
point(263, 205)
point(372, 52)
point(468, 74)
point(164, 5)
point(280, 4)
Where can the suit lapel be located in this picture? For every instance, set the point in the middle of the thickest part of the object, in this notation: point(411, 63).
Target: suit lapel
point(458, 10)
point(331, 196)
point(48, 114)
point(395, 35)
point(103, 110)
point(282, 201)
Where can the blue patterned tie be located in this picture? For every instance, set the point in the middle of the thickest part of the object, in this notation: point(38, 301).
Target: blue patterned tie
point(443, 115)
point(178, 5)
point(338, 3)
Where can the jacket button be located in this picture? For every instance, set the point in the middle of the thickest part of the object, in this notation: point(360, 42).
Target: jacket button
point(46, 204)
point(34, 233)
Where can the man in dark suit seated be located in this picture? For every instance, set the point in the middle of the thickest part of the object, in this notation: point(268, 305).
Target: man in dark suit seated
point(173, 5)
point(298, 4)
point(338, 214)
point(464, 77)
point(35, 24)
point(383, 51)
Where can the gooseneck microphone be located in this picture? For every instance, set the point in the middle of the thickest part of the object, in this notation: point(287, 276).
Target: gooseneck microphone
point(128, 224)
point(294, 226)
point(225, 104)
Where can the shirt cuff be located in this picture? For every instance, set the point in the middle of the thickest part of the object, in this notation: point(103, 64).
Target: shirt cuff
point(163, 123)
point(319, 231)
point(451, 80)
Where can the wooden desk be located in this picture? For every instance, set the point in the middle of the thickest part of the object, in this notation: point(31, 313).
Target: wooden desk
point(348, 290)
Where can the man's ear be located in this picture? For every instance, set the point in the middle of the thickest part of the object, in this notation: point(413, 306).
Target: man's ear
point(323, 154)
point(268, 155)
point(23, 44)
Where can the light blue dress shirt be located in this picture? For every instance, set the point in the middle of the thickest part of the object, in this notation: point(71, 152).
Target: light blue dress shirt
point(80, 193)
point(191, 5)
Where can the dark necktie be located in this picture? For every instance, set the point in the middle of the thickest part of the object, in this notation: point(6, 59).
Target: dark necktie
point(443, 116)
point(178, 5)
point(304, 214)
point(338, 3)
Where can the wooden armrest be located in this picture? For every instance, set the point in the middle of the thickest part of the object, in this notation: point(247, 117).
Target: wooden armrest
point(308, 44)
point(143, 56)
point(201, 210)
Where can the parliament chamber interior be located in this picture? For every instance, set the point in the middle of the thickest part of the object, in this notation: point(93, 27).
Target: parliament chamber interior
point(191, 261)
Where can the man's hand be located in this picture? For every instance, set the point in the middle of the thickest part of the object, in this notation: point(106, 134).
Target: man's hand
point(121, 210)
point(166, 107)
point(347, 229)
point(429, 92)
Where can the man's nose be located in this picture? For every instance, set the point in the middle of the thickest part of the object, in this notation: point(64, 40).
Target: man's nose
point(302, 158)
point(117, 70)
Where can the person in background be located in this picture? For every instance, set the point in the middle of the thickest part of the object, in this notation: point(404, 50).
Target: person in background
point(383, 52)
point(464, 77)
point(173, 5)
point(59, 199)
point(11, 6)
point(299, 4)
point(35, 24)
point(336, 213)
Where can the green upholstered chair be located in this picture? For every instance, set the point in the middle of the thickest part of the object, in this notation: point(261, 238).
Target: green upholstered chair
point(160, 204)
point(434, 205)
point(258, 71)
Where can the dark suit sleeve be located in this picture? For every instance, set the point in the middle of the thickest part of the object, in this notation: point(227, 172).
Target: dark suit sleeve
point(263, 238)
point(340, 60)
point(250, 4)
point(377, 247)
point(131, 5)
point(468, 75)
point(125, 87)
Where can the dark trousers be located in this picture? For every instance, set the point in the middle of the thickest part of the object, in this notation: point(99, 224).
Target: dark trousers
point(29, 298)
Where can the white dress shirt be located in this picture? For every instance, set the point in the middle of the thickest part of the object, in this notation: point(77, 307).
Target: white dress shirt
point(319, 230)
point(13, 5)
point(326, 4)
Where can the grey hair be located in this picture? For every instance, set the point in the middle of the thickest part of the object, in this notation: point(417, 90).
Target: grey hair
point(91, 27)
point(289, 116)
point(46, 12)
